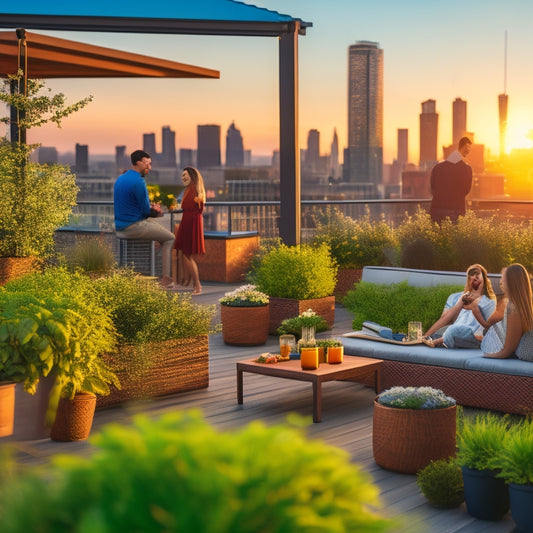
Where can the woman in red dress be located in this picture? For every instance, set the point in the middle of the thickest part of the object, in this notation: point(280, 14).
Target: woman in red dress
point(190, 237)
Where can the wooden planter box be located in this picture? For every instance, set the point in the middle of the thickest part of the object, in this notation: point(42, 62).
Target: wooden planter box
point(283, 308)
point(158, 369)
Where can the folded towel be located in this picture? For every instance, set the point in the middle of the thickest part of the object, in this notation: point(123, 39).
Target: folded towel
point(372, 328)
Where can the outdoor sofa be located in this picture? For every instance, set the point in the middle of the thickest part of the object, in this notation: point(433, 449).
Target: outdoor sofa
point(473, 380)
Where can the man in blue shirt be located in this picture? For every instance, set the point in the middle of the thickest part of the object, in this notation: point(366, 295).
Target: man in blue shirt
point(134, 216)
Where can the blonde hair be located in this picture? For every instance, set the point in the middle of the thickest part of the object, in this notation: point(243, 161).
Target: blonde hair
point(198, 182)
point(518, 285)
point(487, 285)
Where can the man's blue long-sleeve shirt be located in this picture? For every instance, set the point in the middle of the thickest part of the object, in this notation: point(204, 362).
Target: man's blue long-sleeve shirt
point(130, 199)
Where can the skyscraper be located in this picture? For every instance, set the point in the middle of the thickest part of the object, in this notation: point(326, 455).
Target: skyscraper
point(334, 155)
point(459, 120)
point(312, 154)
point(234, 147)
point(168, 156)
point(82, 158)
point(429, 125)
point(208, 154)
point(365, 114)
point(122, 160)
point(149, 144)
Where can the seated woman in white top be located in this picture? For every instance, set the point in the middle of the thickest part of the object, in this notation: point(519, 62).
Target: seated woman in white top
point(457, 326)
point(513, 334)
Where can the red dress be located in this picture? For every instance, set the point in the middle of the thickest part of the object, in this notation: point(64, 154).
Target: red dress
point(190, 237)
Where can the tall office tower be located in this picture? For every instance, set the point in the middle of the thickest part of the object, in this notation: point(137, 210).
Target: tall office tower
point(47, 155)
point(503, 102)
point(459, 120)
point(334, 155)
point(208, 151)
point(312, 154)
point(82, 158)
point(149, 144)
point(234, 147)
point(429, 126)
point(403, 145)
point(122, 160)
point(365, 114)
point(186, 158)
point(168, 155)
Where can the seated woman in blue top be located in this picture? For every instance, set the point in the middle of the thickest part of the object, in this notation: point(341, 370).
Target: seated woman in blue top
point(511, 333)
point(457, 326)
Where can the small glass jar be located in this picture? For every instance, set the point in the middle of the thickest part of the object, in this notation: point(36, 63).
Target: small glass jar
point(287, 345)
point(335, 354)
point(309, 358)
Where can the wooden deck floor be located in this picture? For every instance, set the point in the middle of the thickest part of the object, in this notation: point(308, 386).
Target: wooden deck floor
point(346, 422)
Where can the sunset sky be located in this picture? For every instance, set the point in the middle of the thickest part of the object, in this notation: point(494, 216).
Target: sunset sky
point(437, 50)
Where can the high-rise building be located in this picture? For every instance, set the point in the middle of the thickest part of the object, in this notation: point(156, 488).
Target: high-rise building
point(208, 151)
point(459, 120)
point(168, 155)
point(503, 102)
point(402, 157)
point(365, 115)
point(234, 147)
point(122, 160)
point(334, 156)
point(186, 158)
point(82, 158)
point(429, 126)
point(312, 154)
point(149, 144)
point(47, 155)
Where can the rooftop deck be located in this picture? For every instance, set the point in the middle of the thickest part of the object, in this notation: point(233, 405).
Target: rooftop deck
point(346, 423)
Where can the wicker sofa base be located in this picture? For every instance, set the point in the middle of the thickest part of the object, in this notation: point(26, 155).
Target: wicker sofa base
point(486, 390)
point(178, 365)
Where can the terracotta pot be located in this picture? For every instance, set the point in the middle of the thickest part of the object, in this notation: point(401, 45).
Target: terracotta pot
point(245, 326)
point(74, 418)
point(283, 308)
point(406, 440)
point(7, 408)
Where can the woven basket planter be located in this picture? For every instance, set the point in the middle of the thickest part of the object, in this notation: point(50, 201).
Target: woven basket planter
point(406, 440)
point(283, 308)
point(346, 279)
point(158, 369)
point(15, 267)
point(7, 408)
point(245, 326)
point(74, 418)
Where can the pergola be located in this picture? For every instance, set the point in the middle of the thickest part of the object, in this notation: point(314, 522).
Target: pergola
point(202, 17)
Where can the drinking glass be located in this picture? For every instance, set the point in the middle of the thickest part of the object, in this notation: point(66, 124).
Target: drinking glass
point(414, 331)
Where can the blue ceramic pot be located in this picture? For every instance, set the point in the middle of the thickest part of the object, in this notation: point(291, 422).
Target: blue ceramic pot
point(521, 497)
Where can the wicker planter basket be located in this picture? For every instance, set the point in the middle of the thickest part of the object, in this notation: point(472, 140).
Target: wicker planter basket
point(158, 369)
point(406, 440)
point(15, 267)
point(7, 408)
point(74, 418)
point(283, 308)
point(245, 326)
point(346, 279)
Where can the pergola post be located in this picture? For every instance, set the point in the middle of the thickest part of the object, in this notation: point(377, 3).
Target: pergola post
point(17, 133)
point(289, 150)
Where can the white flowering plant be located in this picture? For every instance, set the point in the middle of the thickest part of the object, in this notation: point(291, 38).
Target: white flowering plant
point(306, 319)
point(415, 398)
point(245, 296)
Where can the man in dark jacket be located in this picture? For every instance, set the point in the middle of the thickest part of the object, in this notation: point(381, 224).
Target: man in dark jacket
point(451, 181)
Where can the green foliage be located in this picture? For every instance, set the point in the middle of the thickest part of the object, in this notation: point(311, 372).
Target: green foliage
point(178, 474)
point(143, 312)
point(92, 255)
point(299, 272)
point(326, 343)
point(355, 243)
point(441, 482)
point(515, 463)
point(415, 398)
point(480, 439)
point(306, 319)
point(396, 304)
point(36, 200)
point(158, 195)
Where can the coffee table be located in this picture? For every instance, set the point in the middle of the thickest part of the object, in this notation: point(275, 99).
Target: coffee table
point(353, 368)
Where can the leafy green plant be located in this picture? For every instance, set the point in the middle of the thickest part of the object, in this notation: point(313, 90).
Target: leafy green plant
point(396, 304)
point(480, 439)
point(441, 482)
point(515, 463)
point(306, 319)
point(92, 255)
point(245, 296)
point(326, 343)
point(299, 272)
point(415, 398)
point(177, 473)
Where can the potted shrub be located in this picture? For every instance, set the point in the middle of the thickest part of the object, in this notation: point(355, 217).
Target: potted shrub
point(244, 314)
point(297, 278)
point(441, 482)
point(411, 427)
point(163, 338)
point(515, 466)
point(178, 463)
point(303, 326)
point(27, 188)
point(480, 440)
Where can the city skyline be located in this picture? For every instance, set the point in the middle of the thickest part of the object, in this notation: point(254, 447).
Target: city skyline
point(430, 52)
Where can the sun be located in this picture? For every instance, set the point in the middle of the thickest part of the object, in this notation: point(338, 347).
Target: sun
point(519, 132)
